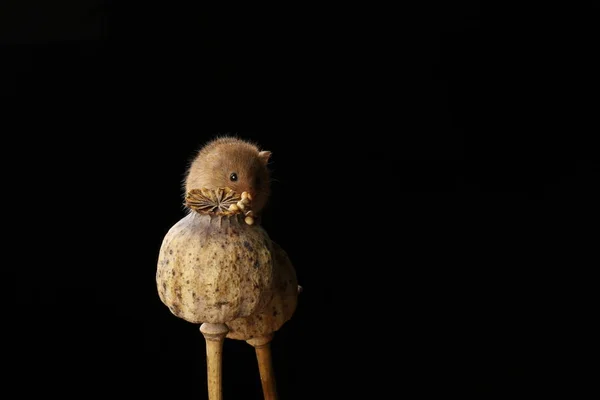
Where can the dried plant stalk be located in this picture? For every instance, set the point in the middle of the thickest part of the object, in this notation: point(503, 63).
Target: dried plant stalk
point(214, 335)
point(262, 346)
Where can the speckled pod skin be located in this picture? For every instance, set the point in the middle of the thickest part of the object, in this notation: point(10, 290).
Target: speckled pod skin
point(279, 310)
point(215, 269)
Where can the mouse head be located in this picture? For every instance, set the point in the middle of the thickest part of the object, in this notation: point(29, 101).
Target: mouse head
point(234, 163)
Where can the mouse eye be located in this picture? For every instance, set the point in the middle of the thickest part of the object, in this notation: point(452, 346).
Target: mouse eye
point(233, 177)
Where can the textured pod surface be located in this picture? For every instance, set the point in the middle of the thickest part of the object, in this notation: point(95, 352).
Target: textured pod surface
point(215, 268)
point(279, 310)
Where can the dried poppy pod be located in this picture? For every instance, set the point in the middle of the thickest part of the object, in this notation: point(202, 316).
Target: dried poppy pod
point(217, 267)
point(213, 267)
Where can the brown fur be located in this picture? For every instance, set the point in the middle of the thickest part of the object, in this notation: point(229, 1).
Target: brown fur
point(218, 159)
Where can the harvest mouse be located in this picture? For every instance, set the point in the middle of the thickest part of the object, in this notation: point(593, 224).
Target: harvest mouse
point(237, 164)
point(234, 163)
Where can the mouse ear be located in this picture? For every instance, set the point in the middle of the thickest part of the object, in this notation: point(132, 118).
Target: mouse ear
point(264, 156)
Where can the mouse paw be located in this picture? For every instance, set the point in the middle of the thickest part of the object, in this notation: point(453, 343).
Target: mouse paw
point(245, 204)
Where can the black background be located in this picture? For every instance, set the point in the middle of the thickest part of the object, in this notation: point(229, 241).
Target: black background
point(430, 185)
